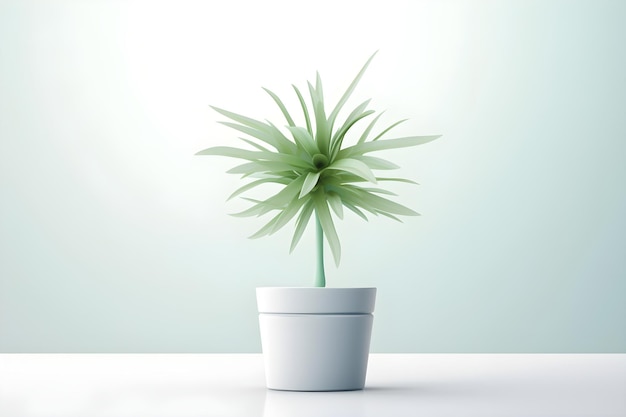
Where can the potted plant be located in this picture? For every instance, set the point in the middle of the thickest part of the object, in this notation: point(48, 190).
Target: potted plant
point(315, 338)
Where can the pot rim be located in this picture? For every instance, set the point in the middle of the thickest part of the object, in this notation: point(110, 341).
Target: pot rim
point(322, 288)
point(316, 300)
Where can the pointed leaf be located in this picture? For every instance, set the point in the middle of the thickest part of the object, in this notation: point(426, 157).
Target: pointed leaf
point(326, 220)
point(251, 168)
point(376, 163)
point(391, 216)
point(389, 128)
point(335, 203)
point(287, 194)
point(379, 204)
point(266, 229)
point(255, 124)
point(309, 183)
point(292, 148)
point(279, 142)
point(353, 166)
point(322, 130)
point(367, 131)
point(356, 210)
point(318, 87)
point(256, 156)
point(255, 145)
point(288, 213)
point(257, 210)
point(356, 115)
point(379, 145)
point(282, 107)
point(256, 129)
point(397, 180)
point(301, 223)
point(277, 202)
point(379, 191)
point(305, 110)
point(304, 139)
point(346, 95)
point(253, 184)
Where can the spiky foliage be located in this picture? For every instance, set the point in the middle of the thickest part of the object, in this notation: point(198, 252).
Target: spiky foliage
point(317, 173)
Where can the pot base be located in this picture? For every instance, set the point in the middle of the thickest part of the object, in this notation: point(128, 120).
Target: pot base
point(315, 352)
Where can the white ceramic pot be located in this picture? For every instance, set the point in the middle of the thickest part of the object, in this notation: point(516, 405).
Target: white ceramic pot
point(315, 339)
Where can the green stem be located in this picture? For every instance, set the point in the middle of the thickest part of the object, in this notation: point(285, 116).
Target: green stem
point(320, 276)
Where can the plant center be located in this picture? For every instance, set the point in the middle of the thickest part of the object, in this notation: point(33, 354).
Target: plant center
point(320, 161)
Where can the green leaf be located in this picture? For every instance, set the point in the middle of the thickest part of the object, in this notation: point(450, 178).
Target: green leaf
point(352, 208)
point(279, 142)
point(256, 210)
point(301, 223)
point(251, 168)
point(397, 180)
point(322, 130)
point(323, 213)
point(334, 200)
point(277, 202)
point(379, 145)
point(318, 87)
point(288, 213)
point(266, 229)
point(305, 110)
point(378, 190)
point(255, 124)
point(256, 183)
point(255, 145)
point(346, 95)
point(284, 196)
point(309, 183)
point(367, 131)
point(391, 216)
point(258, 130)
point(389, 128)
point(376, 163)
point(282, 107)
point(356, 115)
point(374, 203)
point(276, 132)
point(304, 140)
point(353, 166)
point(280, 220)
point(256, 156)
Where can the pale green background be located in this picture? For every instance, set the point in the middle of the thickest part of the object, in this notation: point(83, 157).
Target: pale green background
point(115, 238)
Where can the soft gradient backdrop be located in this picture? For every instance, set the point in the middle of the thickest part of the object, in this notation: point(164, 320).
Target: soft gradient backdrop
point(115, 238)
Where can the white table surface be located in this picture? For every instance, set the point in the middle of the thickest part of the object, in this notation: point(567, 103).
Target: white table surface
point(180, 385)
